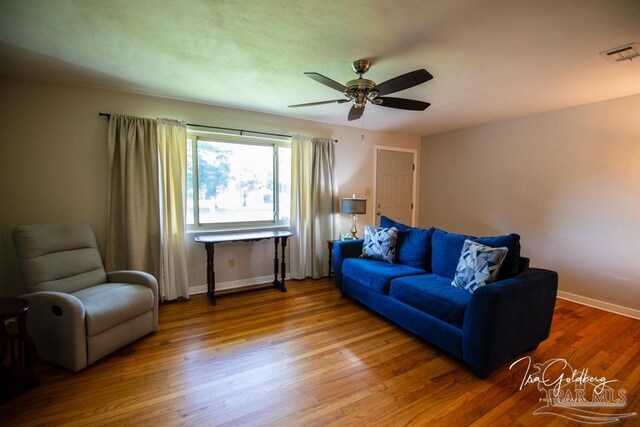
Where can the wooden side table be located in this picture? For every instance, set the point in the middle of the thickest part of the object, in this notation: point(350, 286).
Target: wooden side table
point(17, 351)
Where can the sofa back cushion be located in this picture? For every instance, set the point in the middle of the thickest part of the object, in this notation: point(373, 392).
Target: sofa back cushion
point(511, 261)
point(413, 247)
point(447, 247)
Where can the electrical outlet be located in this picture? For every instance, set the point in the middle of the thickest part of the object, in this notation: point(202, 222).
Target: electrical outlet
point(232, 263)
point(367, 192)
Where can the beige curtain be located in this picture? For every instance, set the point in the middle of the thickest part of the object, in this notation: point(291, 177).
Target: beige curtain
point(133, 235)
point(172, 149)
point(313, 205)
point(146, 214)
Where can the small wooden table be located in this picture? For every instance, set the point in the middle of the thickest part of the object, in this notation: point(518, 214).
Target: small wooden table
point(17, 351)
point(330, 246)
point(280, 238)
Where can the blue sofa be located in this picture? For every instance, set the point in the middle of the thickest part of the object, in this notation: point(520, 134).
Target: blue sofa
point(486, 328)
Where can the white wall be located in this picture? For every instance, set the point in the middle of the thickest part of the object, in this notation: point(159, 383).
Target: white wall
point(567, 181)
point(53, 165)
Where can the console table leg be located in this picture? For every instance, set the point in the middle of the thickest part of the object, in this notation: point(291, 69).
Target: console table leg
point(211, 273)
point(275, 261)
point(283, 266)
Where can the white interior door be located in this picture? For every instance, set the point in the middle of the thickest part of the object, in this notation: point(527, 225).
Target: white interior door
point(395, 185)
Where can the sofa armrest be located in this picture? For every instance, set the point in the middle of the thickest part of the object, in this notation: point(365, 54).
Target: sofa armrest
point(507, 318)
point(341, 250)
point(138, 278)
point(56, 324)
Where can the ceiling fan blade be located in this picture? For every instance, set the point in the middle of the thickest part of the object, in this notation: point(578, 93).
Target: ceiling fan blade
point(355, 113)
point(402, 103)
point(405, 81)
point(335, 101)
point(327, 81)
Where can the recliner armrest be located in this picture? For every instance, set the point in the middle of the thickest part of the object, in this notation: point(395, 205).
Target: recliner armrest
point(508, 317)
point(56, 324)
point(344, 249)
point(138, 278)
point(132, 276)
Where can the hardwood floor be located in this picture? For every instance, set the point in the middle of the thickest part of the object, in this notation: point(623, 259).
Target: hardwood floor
point(311, 357)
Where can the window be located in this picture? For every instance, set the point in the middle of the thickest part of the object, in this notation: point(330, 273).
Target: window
point(237, 182)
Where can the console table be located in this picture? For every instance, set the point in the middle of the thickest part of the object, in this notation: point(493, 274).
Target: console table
point(279, 237)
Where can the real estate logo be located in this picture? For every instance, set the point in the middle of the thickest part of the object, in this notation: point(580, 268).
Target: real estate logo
point(568, 391)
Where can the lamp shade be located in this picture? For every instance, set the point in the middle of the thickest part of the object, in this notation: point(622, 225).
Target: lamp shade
point(354, 206)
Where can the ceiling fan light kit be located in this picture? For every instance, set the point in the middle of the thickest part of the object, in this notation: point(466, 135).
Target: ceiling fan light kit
point(361, 90)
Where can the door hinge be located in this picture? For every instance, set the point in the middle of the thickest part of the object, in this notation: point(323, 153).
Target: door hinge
point(411, 205)
point(413, 167)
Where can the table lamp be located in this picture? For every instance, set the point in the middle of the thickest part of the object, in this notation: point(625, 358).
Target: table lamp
point(354, 206)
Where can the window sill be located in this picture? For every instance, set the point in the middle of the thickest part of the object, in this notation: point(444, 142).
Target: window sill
point(205, 231)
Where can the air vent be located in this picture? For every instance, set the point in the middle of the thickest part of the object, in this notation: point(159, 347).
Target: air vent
point(622, 53)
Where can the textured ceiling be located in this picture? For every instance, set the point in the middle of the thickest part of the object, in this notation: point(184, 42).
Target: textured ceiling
point(491, 59)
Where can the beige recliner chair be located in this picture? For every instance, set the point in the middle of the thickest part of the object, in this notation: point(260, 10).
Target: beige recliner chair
point(79, 313)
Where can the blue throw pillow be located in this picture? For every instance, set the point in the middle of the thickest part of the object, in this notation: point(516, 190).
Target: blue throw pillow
point(478, 265)
point(380, 243)
point(413, 247)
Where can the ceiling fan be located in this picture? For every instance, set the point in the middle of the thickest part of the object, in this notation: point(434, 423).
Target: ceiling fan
point(360, 91)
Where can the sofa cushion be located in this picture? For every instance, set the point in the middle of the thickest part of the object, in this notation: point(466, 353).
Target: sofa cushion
point(447, 247)
point(413, 247)
point(380, 243)
point(109, 304)
point(478, 265)
point(433, 295)
point(376, 275)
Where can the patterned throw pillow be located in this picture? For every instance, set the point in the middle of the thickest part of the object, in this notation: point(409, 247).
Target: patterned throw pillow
point(380, 243)
point(478, 265)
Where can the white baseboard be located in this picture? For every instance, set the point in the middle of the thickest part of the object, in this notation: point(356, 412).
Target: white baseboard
point(612, 308)
point(233, 284)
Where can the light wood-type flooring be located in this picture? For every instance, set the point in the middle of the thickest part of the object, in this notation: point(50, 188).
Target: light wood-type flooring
point(312, 357)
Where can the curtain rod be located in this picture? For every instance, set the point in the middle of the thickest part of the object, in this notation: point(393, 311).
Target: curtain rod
point(107, 115)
